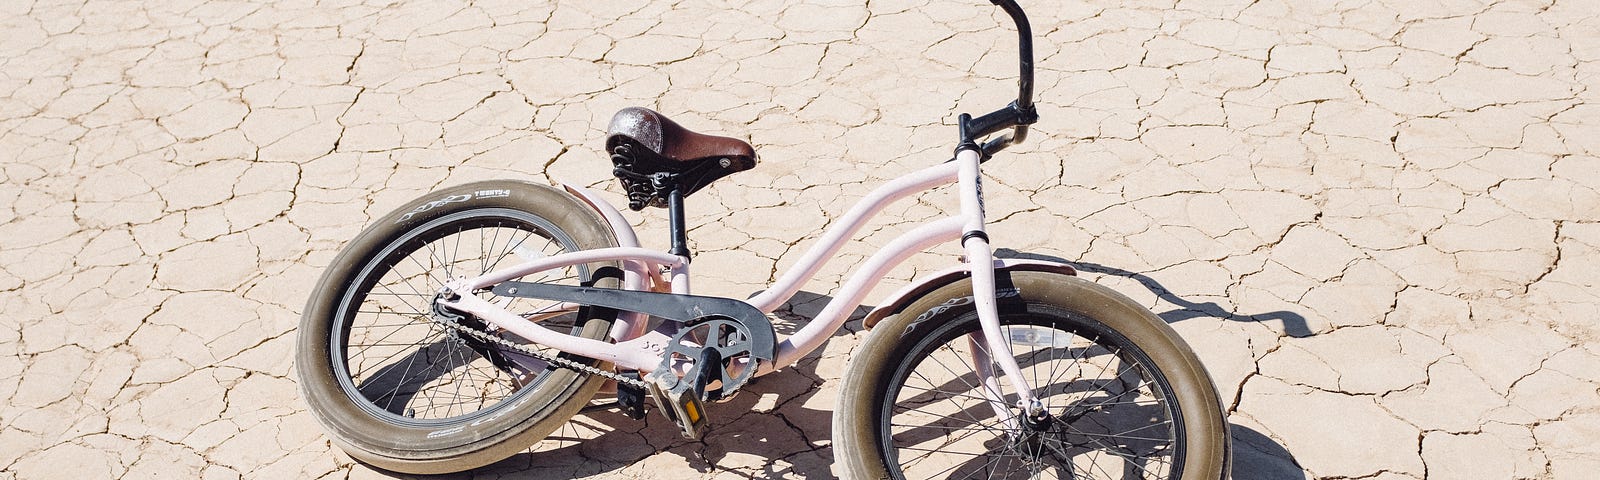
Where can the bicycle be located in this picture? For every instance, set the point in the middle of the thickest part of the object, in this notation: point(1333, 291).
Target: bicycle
point(468, 325)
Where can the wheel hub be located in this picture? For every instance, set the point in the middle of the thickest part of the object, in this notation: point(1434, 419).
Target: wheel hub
point(1042, 441)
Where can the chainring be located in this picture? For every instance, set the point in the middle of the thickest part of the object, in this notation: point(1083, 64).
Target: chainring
point(720, 341)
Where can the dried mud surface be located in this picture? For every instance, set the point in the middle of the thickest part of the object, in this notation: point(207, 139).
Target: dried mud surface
point(1378, 222)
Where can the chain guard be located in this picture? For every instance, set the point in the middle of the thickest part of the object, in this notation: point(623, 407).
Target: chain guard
point(689, 309)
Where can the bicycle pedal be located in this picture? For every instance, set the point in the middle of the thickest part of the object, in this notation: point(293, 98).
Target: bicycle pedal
point(679, 402)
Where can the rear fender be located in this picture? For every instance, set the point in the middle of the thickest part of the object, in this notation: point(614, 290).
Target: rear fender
point(619, 226)
point(909, 293)
point(636, 276)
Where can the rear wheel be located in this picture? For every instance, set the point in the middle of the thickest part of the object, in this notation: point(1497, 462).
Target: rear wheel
point(398, 389)
point(1124, 397)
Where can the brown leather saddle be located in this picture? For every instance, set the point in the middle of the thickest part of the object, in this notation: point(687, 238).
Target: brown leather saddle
point(652, 155)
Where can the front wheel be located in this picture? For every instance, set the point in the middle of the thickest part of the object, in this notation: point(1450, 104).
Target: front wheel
point(1124, 397)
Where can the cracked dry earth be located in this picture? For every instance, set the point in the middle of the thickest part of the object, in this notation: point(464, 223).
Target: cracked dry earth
point(1376, 220)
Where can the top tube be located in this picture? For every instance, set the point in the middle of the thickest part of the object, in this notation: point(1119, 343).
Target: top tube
point(830, 243)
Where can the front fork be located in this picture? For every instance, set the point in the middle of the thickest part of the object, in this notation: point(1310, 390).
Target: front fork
point(980, 261)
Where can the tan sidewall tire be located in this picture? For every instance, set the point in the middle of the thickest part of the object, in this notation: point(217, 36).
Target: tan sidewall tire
point(1206, 443)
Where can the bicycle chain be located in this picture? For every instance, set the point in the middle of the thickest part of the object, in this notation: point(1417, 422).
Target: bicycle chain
point(573, 365)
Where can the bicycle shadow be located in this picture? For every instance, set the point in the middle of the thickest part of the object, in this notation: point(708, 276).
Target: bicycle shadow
point(1294, 324)
point(1259, 457)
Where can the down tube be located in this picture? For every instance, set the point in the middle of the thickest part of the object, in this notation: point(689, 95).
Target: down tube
point(815, 333)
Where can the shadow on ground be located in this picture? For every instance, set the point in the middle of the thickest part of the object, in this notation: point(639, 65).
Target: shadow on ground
point(1294, 324)
point(1258, 457)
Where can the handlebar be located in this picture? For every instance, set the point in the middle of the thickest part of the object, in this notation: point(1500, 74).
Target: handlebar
point(1020, 113)
point(1025, 62)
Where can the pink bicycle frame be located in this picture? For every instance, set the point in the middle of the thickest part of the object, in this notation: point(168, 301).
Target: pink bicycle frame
point(632, 348)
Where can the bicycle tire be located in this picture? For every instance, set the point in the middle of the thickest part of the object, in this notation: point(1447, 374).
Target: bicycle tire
point(452, 407)
point(879, 430)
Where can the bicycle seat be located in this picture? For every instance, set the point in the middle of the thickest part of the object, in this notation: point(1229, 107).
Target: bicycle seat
point(652, 155)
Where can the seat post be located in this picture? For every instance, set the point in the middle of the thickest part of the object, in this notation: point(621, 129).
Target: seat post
point(680, 234)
